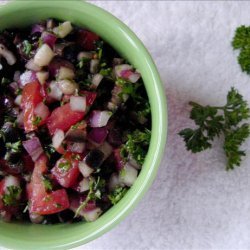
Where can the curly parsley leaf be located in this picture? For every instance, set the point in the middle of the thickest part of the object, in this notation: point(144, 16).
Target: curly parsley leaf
point(12, 195)
point(241, 41)
point(214, 121)
point(117, 194)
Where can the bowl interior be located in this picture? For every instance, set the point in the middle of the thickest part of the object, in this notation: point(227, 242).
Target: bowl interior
point(18, 14)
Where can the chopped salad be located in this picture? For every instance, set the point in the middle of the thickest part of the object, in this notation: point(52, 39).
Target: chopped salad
point(75, 124)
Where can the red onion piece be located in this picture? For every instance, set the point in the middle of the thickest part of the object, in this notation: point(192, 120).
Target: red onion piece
point(27, 77)
point(120, 68)
point(58, 138)
point(37, 28)
point(98, 135)
point(118, 159)
point(76, 147)
point(99, 118)
point(107, 150)
point(96, 80)
point(20, 118)
point(30, 65)
point(42, 111)
point(13, 87)
point(57, 63)
point(85, 169)
point(125, 71)
point(55, 92)
point(75, 202)
point(33, 147)
point(94, 64)
point(49, 38)
point(78, 103)
point(16, 76)
point(128, 176)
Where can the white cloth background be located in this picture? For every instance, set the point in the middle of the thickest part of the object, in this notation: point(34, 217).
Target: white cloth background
point(194, 203)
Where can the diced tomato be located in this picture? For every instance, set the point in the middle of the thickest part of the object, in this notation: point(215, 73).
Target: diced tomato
point(90, 96)
point(66, 170)
point(51, 203)
point(31, 96)
point(42, 202)
point(87, 39)
point(63, 117)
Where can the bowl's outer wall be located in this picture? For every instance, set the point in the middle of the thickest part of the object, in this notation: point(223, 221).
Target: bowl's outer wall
point(64, 236)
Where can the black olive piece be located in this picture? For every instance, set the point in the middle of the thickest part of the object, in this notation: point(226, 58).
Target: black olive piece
point(11, 168)
point(8, 104)
point(12, 157)
point(70, 53)
point(2, 148)
point(94, 158)
point(115, 137)
point(76, 135)
point(108, 168)
point(66, 216)
point(10, 133)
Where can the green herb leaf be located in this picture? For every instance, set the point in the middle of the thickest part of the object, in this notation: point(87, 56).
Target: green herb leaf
point(241, 41)
point(137, 145)
point(82, 62)
point(36, 120)
point(213, 121)
point(95, 192)
point(12, 195)
point(47, 183)
point(65, 166)
point(27, 47)
point(15, 147)
point(233, 141)
point(117, 194)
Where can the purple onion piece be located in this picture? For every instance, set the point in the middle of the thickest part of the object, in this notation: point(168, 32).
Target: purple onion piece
point(33, 147)
point(37, 28)
point(49, 38)
point(98, 135)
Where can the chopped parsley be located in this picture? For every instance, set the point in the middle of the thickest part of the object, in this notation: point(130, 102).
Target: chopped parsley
point(65, 166)
point(136, 145)
point(117, 194)
point(106, 72)
point(82, 62)
point(12, 195)
point(15, 147)
point(36, 120)
point(27, 47)
point(47, 183)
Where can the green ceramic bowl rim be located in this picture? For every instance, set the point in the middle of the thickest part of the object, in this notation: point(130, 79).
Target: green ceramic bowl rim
point(141, 59)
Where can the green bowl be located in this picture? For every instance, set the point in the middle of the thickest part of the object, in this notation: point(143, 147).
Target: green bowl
point(65, 236)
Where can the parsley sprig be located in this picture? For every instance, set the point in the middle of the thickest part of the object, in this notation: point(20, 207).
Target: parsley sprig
point(95, 192)
point(213, 121)
point(241, 41)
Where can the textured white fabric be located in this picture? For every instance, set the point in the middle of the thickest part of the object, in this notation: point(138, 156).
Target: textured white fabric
point(194, 203)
